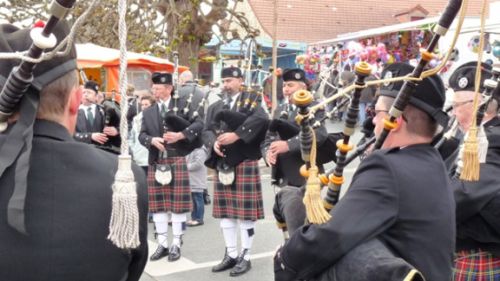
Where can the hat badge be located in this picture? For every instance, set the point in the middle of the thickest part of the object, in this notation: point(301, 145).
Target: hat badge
point(297, 76)
point(463, 82)
point(235, 73)
point(388, 75)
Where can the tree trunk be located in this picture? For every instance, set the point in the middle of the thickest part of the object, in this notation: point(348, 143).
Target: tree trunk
point(188, 55)
point(186, 47)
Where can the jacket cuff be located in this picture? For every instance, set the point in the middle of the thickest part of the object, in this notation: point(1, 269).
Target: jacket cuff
point(294, 144)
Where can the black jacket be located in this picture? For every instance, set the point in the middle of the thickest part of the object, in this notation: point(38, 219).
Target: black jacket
point(478, 203)
point(251, 133)
point(68, 208)
point(84, 130)
point(153, 126)
point(400, 196)
point(286, 170)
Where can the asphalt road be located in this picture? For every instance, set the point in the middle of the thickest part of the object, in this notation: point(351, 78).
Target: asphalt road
point(204, 245)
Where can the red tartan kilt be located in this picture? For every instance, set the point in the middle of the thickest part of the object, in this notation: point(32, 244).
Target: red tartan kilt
point(243, 199)
point(174, 197)
point(476, 265)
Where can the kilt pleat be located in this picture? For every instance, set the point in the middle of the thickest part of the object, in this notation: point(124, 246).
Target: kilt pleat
point(174, 197)
point(476, 265)
point(243, 199)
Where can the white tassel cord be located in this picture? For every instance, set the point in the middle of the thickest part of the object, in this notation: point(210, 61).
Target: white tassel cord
point(124, 223)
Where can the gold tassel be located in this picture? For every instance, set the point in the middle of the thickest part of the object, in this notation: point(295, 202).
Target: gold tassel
point(315, 210)
point(316, 213)
point(470, 157)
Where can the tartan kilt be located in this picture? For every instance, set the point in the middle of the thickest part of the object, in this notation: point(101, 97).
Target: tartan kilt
point(243, 199)
point(476, 265)
point(174, 197)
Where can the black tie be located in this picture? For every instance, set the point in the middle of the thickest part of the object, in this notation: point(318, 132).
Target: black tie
point(163, 109)
point(228, 103)
point(90, 116)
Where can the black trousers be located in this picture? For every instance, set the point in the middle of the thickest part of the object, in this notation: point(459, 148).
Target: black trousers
point(289, 208)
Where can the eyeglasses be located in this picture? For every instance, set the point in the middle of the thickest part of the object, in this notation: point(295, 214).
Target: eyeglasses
point(377, 111)
point(460, 103)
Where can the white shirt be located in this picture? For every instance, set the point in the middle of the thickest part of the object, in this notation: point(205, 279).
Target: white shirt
point(160, 102)
point(234, 98)
point(85, 109)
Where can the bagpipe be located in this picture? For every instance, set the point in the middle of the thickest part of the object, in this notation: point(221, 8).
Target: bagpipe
point(178, 120)
point(334, 178)
point(112, 115)
point(317, 209)
point(227, 120)
point(17, 95)
point(21, 78)
point(20, 94)
point(283, 129)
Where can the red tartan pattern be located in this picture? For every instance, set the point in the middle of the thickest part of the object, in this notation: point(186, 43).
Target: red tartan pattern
point(243, 199)
point(174, 197)
point(476, 265)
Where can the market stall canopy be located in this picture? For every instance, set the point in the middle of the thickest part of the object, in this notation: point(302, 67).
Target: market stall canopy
point(407, 26)
point(91, 56)
point(95, 56)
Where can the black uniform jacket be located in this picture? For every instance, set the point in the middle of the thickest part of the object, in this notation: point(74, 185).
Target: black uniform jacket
point(402, 197)
point(478, 203)
point(84, 130)
point(289, 163)
point(191, 87)
point(68, 209)
point(251, 132)
point(153, 126)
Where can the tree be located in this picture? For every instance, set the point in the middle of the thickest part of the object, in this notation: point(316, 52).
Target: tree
point(155, 26)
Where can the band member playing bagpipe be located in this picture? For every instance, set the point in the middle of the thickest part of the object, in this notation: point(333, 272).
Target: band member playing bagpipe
point(478, 223)
point(462, 83)
point(400, 196)
point(56, 195)
point(189, 87)
point(234, 155)
point(168, 179)
point(281, 149)
point(93, 124)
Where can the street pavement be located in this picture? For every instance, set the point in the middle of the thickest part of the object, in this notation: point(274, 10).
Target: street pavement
point(204, 245)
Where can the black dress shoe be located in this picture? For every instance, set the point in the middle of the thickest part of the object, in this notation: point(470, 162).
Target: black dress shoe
point(175, 253)
point(226, 263)
point(241, 267)
point(159, 253)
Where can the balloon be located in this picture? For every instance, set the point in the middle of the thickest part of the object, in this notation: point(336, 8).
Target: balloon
point(473, 44)
point(301, 59)
point(363, 55)
point(496, 51)
point(390, 59)
point(325, 59)
point(433, 63)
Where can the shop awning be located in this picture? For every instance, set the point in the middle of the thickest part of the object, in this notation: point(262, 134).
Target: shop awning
point(407, 26)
